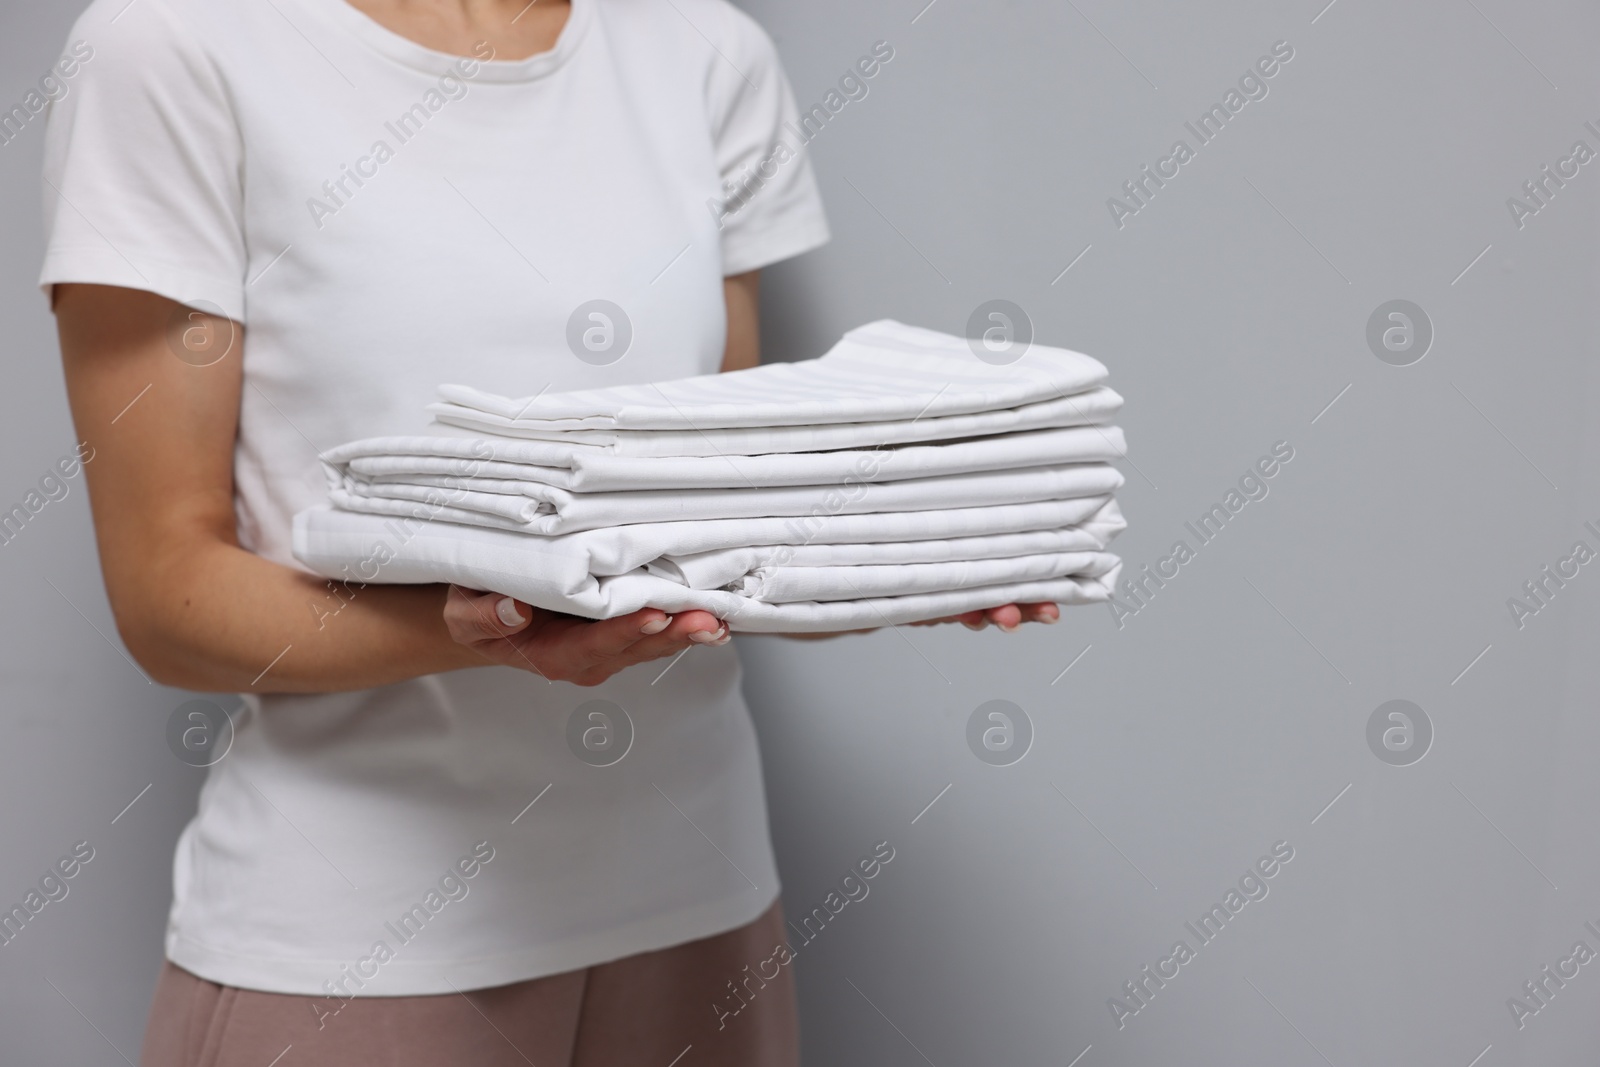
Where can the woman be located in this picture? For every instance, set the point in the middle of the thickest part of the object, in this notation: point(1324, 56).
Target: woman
point(277, 225)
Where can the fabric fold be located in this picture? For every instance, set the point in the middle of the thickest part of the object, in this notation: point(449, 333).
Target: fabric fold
point(1097, 405)
point(792, 585)
point(321, 534)
point(722, 568)
point(533, 507)
point(368, 548)
point(466, 462)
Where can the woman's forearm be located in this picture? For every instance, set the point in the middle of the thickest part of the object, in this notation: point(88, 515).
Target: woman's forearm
point(195, 609)
point(199, 611)
point(216, 617)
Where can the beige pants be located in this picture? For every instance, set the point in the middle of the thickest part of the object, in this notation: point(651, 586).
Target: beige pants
point(654, 1009)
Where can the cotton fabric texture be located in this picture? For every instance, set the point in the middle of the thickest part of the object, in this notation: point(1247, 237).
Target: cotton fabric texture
point(382, 217)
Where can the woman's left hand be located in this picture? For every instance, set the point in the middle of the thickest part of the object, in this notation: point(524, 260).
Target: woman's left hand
point(1008, 617)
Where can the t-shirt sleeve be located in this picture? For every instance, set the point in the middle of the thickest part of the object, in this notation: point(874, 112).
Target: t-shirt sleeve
point(142, 185)
point(771, 209)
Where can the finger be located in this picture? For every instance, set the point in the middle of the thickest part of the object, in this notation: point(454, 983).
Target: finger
point(594, 663)
point(624, 640)
point(653, 621)
point(704, 628)
point(585, 642)
point(686, 629)
point(1007, 616)
point(1046, 613)
point(484, 616)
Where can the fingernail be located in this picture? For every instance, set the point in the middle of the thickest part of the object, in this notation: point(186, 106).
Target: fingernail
point(708, 637)
point(655, 626)
point(1049, 617)
point(725, 638)
point(506, 609)
point(1009, 628)
point(974, 625)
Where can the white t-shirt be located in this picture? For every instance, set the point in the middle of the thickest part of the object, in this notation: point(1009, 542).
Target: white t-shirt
point(469, 210)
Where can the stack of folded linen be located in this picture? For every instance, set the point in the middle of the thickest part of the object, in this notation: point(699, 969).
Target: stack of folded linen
point(895, 479)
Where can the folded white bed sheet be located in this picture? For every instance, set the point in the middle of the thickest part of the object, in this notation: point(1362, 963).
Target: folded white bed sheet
point(1098, 405)
point(892, 480)
point(884, 370)
point(789, 585)
point(737, 567)
point(477, 462)
point(532, 507)
point(559, 573)
point(820, 539)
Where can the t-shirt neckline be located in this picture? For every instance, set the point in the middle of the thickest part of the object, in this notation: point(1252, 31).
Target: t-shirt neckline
point(431, 61)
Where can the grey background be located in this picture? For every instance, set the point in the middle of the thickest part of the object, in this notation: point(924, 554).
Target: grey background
point(1223, 717)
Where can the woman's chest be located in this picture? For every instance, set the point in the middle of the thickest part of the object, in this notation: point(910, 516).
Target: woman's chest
point(510, 236)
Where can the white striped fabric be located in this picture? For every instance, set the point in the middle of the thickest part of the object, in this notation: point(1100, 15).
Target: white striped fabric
point(805, 540)
point(1098, 405)
point(546, 509)
point(884, 370)
point(725, 567)
point(792, 585)
point(462, 463)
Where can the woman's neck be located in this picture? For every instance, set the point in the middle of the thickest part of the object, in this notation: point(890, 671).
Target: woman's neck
point(515, 29)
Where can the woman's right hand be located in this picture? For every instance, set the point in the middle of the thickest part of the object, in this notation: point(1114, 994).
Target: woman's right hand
point(566, 648)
